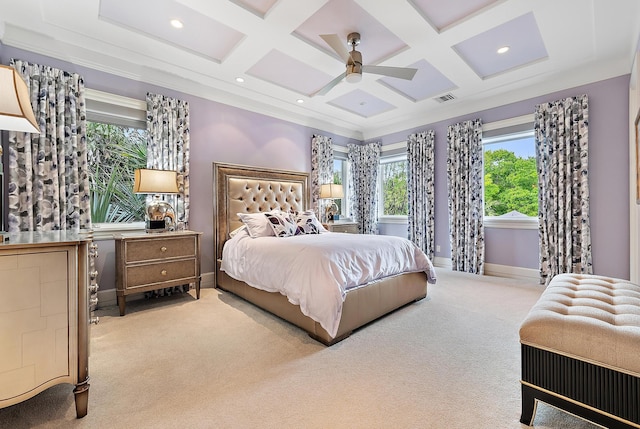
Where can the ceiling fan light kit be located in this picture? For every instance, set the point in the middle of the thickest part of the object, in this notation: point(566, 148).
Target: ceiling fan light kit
point(353, 63)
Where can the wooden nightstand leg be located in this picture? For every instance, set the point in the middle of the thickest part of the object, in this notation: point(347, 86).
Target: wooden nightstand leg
point(198, 289)
point(121, 304)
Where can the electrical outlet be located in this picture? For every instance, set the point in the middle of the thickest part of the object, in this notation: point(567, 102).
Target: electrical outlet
point(437, 247)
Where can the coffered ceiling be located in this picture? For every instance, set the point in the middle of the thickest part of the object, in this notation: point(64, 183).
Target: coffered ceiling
point(276, 47)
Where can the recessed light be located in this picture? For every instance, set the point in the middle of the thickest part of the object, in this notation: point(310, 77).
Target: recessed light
point(299, 101)
point(503, 50)
point(176, 23)
point(239, 79)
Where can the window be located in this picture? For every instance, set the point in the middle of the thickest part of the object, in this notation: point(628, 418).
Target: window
point(114, 153)
point(339, 178)
point(510, 180)
point(393, 202)
point(117, 145)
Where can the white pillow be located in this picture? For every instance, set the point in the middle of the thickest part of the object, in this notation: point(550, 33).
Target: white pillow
point(257, 224)
point(237, 230)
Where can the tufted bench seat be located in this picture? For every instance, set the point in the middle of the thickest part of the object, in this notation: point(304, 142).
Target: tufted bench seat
point(581, 350)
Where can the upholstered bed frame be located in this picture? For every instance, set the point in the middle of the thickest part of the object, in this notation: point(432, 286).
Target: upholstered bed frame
point(245, 189)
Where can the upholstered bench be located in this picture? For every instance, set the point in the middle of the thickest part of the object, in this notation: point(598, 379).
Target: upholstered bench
point(581, 350)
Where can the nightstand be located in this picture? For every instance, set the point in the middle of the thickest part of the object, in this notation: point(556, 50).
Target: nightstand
point(153, 261)
point(342, 226)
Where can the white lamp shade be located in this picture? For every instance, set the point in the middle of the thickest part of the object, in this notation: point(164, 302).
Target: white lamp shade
point(148, 181)
point(16, 113)
point(331, 190)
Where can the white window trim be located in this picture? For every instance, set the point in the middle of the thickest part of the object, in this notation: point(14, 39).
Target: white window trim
point(393, 219)
point(528, 222)
point(106, 231)
point(390, 219)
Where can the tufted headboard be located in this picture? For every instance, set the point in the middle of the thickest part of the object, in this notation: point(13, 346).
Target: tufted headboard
point(245, 189)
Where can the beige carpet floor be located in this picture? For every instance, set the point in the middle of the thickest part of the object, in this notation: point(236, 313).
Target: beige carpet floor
point(449, 361)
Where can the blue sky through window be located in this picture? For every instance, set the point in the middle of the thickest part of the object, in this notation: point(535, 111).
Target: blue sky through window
point(523, 147)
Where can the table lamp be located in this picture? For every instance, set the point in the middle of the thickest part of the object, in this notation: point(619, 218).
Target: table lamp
point(160, 215)
point(331, 191)
point(16, 114)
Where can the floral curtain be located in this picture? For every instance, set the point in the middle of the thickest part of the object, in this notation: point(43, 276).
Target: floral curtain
point(464, 180)
point(48, 172)
point(321, 170)
point(562, 143)
point(364, 161)
point(168, 147)
point(420, 189)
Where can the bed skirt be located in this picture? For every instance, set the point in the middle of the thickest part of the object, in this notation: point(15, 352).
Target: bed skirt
point(361, 306)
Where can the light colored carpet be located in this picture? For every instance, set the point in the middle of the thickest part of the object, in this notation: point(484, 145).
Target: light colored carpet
point(450, 361)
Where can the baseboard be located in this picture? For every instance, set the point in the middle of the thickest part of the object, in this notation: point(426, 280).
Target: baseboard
point(207, 280)
point(496, 270)
point(442, 262)
point(511, 272)
point(108, 297)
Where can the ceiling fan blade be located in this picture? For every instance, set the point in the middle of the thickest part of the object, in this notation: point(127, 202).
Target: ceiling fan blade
point(337, 44)
point(330, 85)
point(399, 72)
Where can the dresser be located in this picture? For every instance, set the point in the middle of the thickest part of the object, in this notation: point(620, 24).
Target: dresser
point(47, 295)
point(151, 261)
point(342, 226)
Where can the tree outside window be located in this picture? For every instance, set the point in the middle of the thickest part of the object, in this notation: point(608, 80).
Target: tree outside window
point(393, 184)
point(510, 177)
point(114, 152)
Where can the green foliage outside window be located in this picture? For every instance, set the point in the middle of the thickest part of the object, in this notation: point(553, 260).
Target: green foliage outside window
point(337, 179)
point(394, 188)
point(114, 152)
point(510, 183)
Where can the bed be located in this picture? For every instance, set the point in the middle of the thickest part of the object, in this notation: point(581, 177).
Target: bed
point(247, 189)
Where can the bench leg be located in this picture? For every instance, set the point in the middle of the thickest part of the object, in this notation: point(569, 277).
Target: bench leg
point(528, 405)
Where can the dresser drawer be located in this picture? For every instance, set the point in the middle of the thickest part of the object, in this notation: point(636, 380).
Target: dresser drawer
point(139, 275)
point(149, 250)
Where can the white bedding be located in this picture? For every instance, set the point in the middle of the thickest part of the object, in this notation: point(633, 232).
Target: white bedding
point(314, 271)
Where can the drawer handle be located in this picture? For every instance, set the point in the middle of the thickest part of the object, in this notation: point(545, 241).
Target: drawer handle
point(163, 272)
point(163, 249)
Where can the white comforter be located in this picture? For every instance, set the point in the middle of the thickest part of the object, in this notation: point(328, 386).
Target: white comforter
point(314, 271)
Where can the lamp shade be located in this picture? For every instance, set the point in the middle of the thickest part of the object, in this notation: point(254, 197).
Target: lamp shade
point(16, 113)
point(148, 181)
point(331, 190)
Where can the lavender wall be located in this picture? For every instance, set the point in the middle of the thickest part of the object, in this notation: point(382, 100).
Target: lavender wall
point(227, 134)
point(608, 180)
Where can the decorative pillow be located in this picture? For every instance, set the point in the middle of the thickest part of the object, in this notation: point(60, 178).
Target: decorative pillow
point(257, 224)
point(281, 223)
point(308, 223)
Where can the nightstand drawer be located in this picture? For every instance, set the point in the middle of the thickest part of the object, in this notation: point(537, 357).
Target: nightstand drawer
point(150, 250)
point(348, 227)
point(146, 262)
point(138, 275)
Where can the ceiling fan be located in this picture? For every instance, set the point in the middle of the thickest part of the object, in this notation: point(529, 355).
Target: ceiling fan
point(353, 60)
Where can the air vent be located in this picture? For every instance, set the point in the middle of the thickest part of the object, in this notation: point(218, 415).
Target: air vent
point(445, 98)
